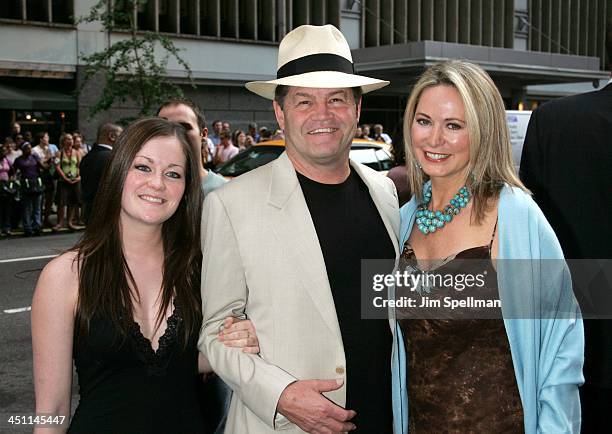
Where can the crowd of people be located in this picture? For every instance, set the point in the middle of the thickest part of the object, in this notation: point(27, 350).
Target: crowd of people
point(265, 291)
point(38, 179)
point(222, 143)
point(373, 132)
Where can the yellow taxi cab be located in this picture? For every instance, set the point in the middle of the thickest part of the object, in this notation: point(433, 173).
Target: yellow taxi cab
point(367, 152)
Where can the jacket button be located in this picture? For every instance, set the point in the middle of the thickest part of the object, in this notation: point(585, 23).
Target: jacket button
point(340, 370)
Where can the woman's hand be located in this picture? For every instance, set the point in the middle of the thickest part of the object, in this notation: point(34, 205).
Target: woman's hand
point(239, 333)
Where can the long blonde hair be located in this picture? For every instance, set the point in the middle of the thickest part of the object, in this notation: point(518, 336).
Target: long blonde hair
point(491, 165)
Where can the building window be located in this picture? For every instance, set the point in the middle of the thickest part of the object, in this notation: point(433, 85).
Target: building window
point(38, 10)
point(62, 11)
point(474, 22)
point(167, 16)
point(253, 20)
point(11, 9)
point(43, 11)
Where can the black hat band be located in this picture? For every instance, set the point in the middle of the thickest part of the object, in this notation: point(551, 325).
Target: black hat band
point(315, 63)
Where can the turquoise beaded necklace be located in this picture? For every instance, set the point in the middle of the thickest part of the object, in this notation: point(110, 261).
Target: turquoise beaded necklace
point(429, 221)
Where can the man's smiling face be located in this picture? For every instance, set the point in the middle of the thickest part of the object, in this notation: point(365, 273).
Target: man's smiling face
point(319, 124)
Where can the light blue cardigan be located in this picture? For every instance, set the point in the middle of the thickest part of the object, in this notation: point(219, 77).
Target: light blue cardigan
point(547, 353)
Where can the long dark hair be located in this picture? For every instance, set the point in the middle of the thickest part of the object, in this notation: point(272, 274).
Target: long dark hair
point(106, 284)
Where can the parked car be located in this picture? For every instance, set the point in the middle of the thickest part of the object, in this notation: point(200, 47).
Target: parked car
point(365, 152)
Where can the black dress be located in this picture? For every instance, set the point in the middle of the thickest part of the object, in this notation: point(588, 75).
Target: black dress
point(126, 387)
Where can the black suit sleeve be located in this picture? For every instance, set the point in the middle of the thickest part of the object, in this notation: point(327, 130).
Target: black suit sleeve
point(531, 156)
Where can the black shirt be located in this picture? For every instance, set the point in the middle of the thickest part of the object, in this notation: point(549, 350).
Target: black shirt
point(350, 229)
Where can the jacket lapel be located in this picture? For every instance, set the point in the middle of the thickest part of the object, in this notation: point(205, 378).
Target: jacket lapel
point(293, 226)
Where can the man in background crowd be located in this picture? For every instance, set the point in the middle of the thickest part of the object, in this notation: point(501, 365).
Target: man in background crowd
point(225, 149)
point(93, 164)
point(46, 153)
point(15, 130)
point(217, 128)
point(380, 135)
point(187, 113)
point(253, 131)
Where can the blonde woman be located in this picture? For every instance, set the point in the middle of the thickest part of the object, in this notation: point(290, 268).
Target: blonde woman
point(511, 374)
point(69, 182)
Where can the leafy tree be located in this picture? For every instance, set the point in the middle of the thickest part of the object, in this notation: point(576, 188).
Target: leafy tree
point(129, 65)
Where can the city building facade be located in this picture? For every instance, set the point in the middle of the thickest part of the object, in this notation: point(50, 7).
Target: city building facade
point(228, 42)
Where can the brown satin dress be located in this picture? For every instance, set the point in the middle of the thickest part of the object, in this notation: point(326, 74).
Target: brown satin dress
point(460, 372)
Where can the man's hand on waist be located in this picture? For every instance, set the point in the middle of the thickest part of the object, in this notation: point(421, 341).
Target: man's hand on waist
point(304, 405)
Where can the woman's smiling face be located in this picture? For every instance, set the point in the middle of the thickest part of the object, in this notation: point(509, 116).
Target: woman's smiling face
point(440, 138)
point(155, 182)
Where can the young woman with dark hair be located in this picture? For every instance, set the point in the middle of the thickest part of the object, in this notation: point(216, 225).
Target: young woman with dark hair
point(124, 302)
point(239, 139)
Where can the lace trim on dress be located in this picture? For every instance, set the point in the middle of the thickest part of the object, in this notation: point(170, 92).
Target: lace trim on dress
point(157, 361)
point(408, 252)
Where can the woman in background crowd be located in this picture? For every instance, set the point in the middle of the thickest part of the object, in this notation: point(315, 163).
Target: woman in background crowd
point(11, 150)
point(482, 375)
point(68, 186)
point(239, 140)
point(6, 192)
point(125, 301)
point(77, 144)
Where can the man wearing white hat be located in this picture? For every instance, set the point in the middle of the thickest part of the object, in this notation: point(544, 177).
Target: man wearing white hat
point(283, 245)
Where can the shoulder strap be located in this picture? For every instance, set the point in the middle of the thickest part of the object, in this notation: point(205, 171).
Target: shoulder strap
point(493, 236)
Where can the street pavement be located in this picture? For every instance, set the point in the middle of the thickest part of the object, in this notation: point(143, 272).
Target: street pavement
point(21, 261)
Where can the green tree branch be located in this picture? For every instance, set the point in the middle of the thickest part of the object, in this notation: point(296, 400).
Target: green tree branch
point(129, 66)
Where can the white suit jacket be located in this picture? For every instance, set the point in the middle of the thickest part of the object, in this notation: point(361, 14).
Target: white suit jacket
point(262, 259)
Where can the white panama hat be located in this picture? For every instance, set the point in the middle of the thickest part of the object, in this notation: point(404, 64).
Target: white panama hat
point(315, 56)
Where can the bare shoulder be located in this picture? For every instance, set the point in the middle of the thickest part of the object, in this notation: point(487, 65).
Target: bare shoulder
point(59, 279)
point(62, 267)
